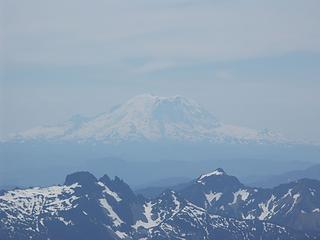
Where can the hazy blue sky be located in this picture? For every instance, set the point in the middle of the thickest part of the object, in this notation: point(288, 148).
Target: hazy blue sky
point(252, 63)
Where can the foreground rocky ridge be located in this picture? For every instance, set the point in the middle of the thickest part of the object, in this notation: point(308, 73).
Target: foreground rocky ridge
point(296, 204)
point(213, 206)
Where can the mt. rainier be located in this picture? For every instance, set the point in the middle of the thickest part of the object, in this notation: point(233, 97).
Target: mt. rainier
point(150, 118)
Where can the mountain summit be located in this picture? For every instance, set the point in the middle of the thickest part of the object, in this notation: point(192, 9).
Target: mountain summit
point(151, 118)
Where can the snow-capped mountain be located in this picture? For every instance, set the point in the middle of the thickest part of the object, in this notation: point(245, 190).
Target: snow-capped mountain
point(295, 204)
point(88, 208)
point(151, 118)
point(177, 218)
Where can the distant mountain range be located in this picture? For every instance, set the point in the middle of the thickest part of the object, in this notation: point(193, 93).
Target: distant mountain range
point(273, 180)
point(213, 206)
point(150, 118)
point(144, 132)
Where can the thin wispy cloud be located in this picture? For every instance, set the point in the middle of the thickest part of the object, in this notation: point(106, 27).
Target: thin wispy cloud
point(62, 32)
point(154, 67)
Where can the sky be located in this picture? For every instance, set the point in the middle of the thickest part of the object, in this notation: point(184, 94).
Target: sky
point(251, 63)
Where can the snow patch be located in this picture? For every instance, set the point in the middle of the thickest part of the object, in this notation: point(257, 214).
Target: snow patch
point(267, 212)
point(295, 200)
point(213, 196)
point(244, 194)
point(217, 172)
point(109, 192)
point(148, 214)
point(111, 213)
point(121, 235)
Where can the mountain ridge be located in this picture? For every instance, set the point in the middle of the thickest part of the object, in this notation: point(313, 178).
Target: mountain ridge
point(86, 207)
point(220, 194)
point(289, 176)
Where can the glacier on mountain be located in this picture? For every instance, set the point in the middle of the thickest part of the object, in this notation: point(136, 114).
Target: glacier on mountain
point(151, 118)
